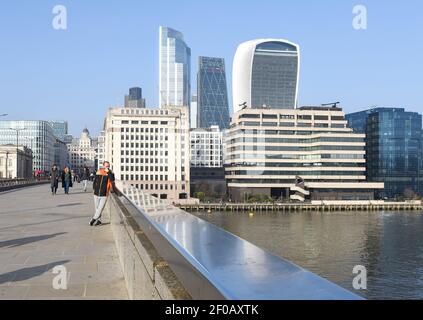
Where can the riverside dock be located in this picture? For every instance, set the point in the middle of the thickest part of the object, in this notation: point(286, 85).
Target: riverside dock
point(322, 206)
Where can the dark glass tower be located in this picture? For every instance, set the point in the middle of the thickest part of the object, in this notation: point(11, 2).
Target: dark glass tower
point(393, 148)
point(213, 106)
point(135, 94)
point(134, 99)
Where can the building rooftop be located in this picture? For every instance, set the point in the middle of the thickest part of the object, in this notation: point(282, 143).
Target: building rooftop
point(320, 108)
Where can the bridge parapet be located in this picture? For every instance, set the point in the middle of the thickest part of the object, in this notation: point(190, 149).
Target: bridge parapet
point(200, 260)
point(10, 184)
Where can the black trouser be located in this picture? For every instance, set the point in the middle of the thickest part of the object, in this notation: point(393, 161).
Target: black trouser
point(53, 189)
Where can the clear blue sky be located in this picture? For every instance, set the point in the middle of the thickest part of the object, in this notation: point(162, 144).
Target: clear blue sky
point(110, 46)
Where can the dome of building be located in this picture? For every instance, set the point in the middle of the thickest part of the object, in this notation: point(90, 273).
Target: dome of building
point(85, 134)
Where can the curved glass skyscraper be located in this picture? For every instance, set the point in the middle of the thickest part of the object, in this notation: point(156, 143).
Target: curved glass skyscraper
point(174, 69)
point(213, 107)
point(266, 73)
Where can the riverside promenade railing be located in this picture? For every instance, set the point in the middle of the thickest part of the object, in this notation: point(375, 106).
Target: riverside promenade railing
point(214, 264)
point(9, 184)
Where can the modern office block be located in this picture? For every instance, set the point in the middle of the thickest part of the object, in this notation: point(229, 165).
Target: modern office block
point(212, 91)
point(207, 172)
point(61, 154)
point(35, 135)
point(304, 153)
point(266, 74)
point(174, 69)
point(393, 149)
point(206, 147)
point(60, 129)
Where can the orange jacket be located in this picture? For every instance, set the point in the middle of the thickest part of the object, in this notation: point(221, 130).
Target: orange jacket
point(103, 183)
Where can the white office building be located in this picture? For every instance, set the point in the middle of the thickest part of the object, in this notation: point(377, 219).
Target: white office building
point(193, 111)
point(101, 149)
point(149, 148)
point(206, 147)
point(15, 163)
point(82, 152)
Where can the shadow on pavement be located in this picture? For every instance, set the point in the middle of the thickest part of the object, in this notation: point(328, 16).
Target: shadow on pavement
point(43, 222)
point(29, 273)
point(70, 205)
point(89, 192)
point(23, 241)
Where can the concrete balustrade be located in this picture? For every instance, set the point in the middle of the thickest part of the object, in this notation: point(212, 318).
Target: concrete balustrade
point(147, 274)
point(11, 184)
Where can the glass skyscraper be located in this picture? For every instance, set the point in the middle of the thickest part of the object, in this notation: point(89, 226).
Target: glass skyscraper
point(60, 129)
point(135, 93)
point(266, 74)
point(213, 107)
point(393, 148)
point(36, 135)
point(174, 69)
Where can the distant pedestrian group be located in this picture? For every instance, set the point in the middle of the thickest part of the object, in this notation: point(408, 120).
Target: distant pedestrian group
point(67, 177)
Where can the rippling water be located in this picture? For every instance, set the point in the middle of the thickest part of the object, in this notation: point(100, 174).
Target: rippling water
point(388, 244)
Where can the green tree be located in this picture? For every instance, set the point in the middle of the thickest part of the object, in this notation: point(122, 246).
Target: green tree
point(200, 195)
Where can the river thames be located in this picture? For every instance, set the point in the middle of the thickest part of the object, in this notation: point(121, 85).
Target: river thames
point(388, 244)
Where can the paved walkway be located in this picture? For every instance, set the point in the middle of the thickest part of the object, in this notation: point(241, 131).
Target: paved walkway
point(39, 232)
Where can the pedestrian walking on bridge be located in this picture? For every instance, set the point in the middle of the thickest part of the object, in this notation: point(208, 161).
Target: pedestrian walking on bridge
point(67, 179)
point(85, 177)
point(54, 179)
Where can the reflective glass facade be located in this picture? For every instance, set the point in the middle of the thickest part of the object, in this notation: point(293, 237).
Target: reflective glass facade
point(393, 148)
point(275, 76)
point(213, 106)
point(36, 135)
point(135, 93)
point(174, 69)
point(60, 129)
